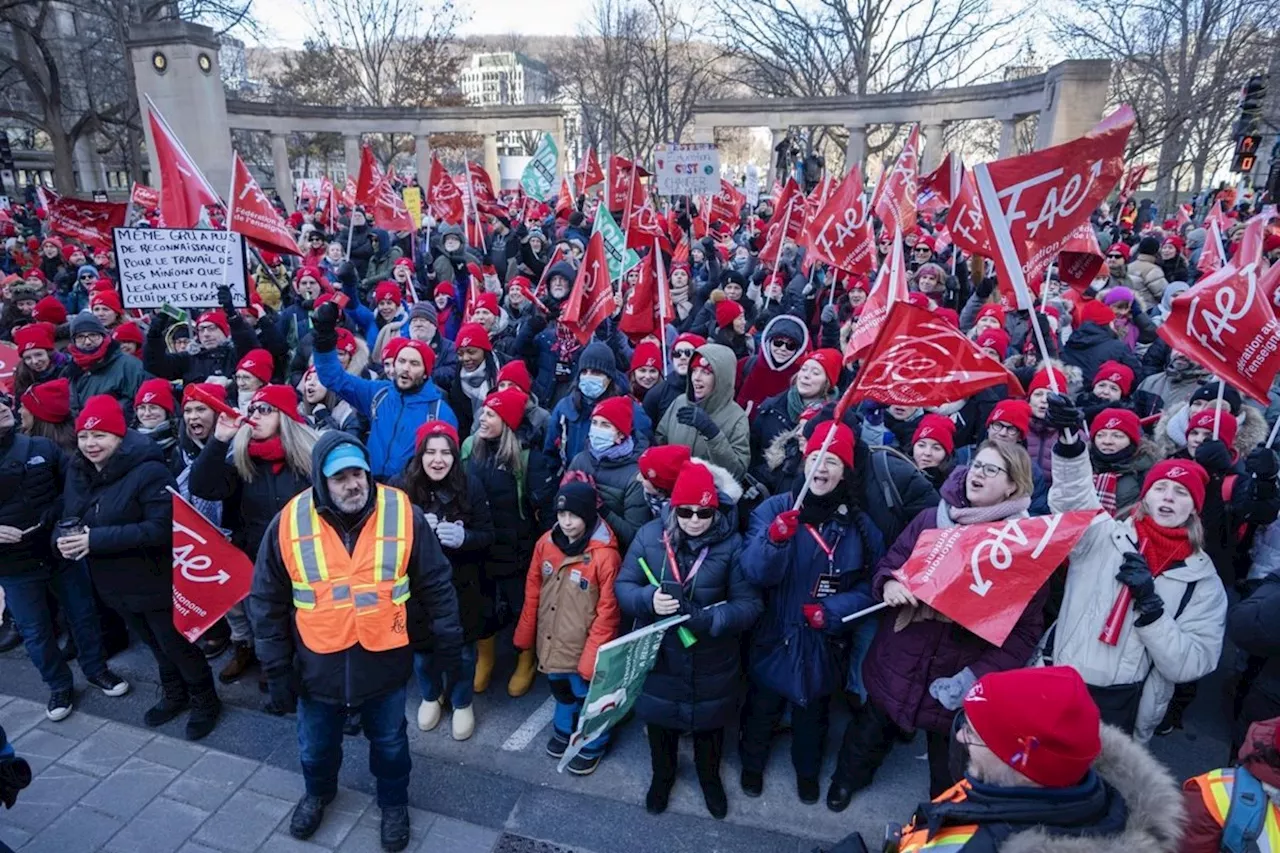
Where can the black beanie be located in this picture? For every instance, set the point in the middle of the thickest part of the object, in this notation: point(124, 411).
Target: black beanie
point(1149, 246)
point(578, 498)
point(1209, 392)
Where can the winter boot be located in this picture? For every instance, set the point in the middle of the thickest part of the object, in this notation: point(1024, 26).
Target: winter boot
point(205, 708)
point(242, 657)
point(173, 701)
point(484, 664)
point(522, 678)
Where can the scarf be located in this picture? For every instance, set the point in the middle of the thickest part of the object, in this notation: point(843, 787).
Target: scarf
point(1162, 546)
point(270, 450)
point(161, 435)
point(89, 360)
point(1105, 486)
point(614, 453)
point(475, 384)
point(818, 509)
point(982, 514)
point(569, 549)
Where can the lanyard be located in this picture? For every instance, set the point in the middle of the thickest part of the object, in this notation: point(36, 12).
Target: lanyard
point(675, 569)
point(829, 550)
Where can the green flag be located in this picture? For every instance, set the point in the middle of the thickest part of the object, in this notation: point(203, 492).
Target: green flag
point(539, 178)
point(620, 258)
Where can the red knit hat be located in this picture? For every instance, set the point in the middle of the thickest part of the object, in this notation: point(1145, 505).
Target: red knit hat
point(403, 262)
point(1041, 721)
point(660, 465)
point(346, 341)
point(617, 411)
point(1114, 371)
point(387, 290)
point(695, 486)
point(487, 301)
point(127, 333)
point(281, 397)
point(392, 348)
point(1016, 413)
point(34, 336)
point(1122, 419)
point(312, 272)
point(1121, 249)
point(50, 310)
point(473, 335)
point(1227, 424)
point(102, 413)
point(939, 428)
point(102, 285)
point(948, 314)
point(996, 339)
point(446, 288)
point(424, 351)
point(991, 310)
point(830, 361)
point(49, 401)
point(1041, 380)
point(156, 392)
point(259, 364)
point(213, 389)
point(508, 405)
point(109, 298)
point(517, 374)
point(841, 446)
point(431, 428)
point(647, 354)
point(726, 312)
point(1094, 311)
point(689, 338)
point(1187, 474)
point(218, 318)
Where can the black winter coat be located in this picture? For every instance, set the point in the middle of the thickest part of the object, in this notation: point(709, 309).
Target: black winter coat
point(32, 471)
point(129, 513)
point(1091, 345)
point(693, 689)
point(514, 534)
point(1252, 625)
point(190, 369)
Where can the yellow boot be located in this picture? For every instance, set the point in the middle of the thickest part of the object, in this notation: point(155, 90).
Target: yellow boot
point(522, 678)
point(484, 664)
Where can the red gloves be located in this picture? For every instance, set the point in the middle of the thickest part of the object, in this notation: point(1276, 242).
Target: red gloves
point(784, 526)
point(815, 616)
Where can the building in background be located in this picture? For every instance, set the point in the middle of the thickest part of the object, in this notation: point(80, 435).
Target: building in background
point(505, 78)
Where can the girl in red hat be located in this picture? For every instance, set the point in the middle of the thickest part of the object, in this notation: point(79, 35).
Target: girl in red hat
point(776, 428)
point(1121, 457)
point(45, 411)
point(41, 361)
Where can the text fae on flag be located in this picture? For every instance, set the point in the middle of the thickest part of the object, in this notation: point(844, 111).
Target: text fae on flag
point(252, 215)
point(591, 300)
point(87, 221)
point(840, 234)
point(965, 220)
point(144, 198)
point(184, 190)
point(1227, 325)
point(210, 575)
point(444, 199)
point(895, 196)
point(726, 205)
point(983, 576)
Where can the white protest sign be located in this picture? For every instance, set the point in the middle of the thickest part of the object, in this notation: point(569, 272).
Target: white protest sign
point(692, 169)
point(180, 267)
point(752, 187)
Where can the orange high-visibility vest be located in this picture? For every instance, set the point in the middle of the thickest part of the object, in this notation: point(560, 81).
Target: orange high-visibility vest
point(1215, 791)
point(342, 599)
point(950, 839)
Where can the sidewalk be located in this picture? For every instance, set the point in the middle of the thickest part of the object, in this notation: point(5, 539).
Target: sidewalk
point(105, 786)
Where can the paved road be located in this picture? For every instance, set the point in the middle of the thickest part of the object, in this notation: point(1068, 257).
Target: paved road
point(501, 781)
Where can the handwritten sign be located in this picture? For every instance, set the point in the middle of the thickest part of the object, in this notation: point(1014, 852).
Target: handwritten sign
point(179, 267)
point(689, 169)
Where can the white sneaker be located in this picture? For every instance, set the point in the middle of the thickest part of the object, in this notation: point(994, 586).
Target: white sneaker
point(429, 714)
point(464, 723)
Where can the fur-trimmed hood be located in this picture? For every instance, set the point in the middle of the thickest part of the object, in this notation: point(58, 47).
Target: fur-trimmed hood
point(1171, 430)
point(1153, 798)
point(726, 484)
point(775, 454)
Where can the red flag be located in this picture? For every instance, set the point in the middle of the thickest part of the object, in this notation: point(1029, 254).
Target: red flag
point(564, 201)
point(348, 197)
point(144, 197)
point(369, 180)
point(210, 575)
point(87, 221)
point(329, 198)
point(1184, 215)
point(1212, 254)
point(890, 288)
point(787, 222)
point(184, 191)
point(965, 220)
point(1129, 183)
point(895, 197)
point(983, 576)
point(444, 199)
point(305, 195)
point(935, 188)
point(646, 226)
point(389, 211)
point(253, 216)
point(841, 234)
point(481, 185)
point(589, 173)
point(639, 312)
point(1080, 258)
point(591, 300)
point(9, 360)
point(726, 205)
point(625, 190)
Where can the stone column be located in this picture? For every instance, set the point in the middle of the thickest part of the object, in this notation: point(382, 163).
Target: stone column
point(704, 133)
point(422, 153)
point(932, 147)
point(778, 134)
point(1008, 140)
point(491, 159)
point(88, 165)
point(351, 153)
point(1075, 94)
point(855, 153)
point(284, 175)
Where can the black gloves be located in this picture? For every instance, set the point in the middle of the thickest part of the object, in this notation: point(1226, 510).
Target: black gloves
point(1213, 456)
point(160, 322)
point(1063, 414)
point(225, 302)
point(984, 287)
point(15, 774)
point(284, 700)
point(325, 322)
point(537, 321)
point(698, 419)
point(1135, 574)
point(699, 617)
point(1262, 463)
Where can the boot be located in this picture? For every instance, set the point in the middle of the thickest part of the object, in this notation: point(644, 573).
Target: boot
point(484, 664)
point(205, 708)
point(522, 678)
point(9, 636)
point(173, 701)
point(242, 657)
point(707, 747)
point(215, 640)
point(664, 745)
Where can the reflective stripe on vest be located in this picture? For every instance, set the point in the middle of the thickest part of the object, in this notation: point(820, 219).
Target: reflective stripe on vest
point(346, 598)
point(1215, 791)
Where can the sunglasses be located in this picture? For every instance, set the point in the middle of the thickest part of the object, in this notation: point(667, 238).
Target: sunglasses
point(785, 343)
point(1116, 255)
point(682, 352)
point(260, 409)
point(924, 250)
point(687, 512)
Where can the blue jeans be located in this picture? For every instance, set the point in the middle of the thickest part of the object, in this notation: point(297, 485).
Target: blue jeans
point(320, 745)
point(26, 597)
point(569, 690)
point(432, 682)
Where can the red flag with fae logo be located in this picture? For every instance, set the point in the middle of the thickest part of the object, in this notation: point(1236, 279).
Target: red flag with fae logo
point(144, 197)
point(253, 216)
point(895, 196)
point(840, 233)
point(210, 575)
point(369, 180)
point(591, 299)
point(184, 190)
point(890, 288)
point(444, 199)
point(983, 576)
point(965, 221)
point(726, 205)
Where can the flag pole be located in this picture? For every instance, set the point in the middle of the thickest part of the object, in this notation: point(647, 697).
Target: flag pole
point(1271, 439)
point(1217, 409)
point(660, 273)
point(231, 209)
point(631, 192)
point(475, 209)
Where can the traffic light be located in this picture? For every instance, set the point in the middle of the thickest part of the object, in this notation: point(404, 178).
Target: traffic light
point(1252, 95)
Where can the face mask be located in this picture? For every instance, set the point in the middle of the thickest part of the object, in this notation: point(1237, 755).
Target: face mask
point(957, 752)
point(591, 386)
point(601, 438)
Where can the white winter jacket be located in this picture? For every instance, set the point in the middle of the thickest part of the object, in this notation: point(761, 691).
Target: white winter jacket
point(1181, 650)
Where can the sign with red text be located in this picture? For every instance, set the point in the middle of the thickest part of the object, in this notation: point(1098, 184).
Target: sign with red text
point(210, 575)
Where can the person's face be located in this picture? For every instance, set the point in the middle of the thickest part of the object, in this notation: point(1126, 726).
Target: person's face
point(826, 475)
point(680, 278)
point(485, 318)
point(25, 306)
point(928, 453)
point(471, 357)
point(36, 360)
point(987, 482)
point(312, 390)
point(150, 415)
point(733, 290)
point(452, 244)
point(857, 297)
point(991, 351)
point(1198, 406)
point(1115, 263)
point(1105, 389)
point(344, 358)
point(811, 380)
point(575, 251)
point(49, 250)
point(97, 446)
point(1169, 503)
point(1167, 251)
point(422, 329)
point(247, 384)
point(571, 525)
point(410, 371)
point(334, 253)
point(315, 241)
point(33, 281)
point(88, 341)
point(646, 377)
point(308, 287)
point(1002, 431)
point(559, 286)
point(740, 324)
point(490, 424)
point(536, 244)
point(129, 348)
point(704, 381)
point(266, 421)
point(387, 309)
point(199, 420)
point(209, 335)
point(680, 358)
point(1039, 401)
point(357, 218)
point(1111, 441)
point(1197, 437)
point(6, 418)
point(773, 292)
point(104, 314)
point(349, 489)
point(986, 322)
point(437, 458)
point(603, 424)
point(903, 413)
point(694, 520)
point(928, 283)
point(516, 300)
point(921, 254)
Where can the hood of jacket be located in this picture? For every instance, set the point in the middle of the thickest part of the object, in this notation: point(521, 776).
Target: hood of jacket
point(1262, 735)
point(134, 450)
point(788, 326)
point(724, 364)
point(327, 442)
point(1089, 335)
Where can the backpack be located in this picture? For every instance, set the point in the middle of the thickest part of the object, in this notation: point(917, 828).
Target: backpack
point(1246, 815)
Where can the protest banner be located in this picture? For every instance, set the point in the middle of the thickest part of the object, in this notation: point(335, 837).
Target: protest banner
point(539, 177)
point(621, 668)
point(413, 200)
point(620, 258)
point(687, 169)
point(178, 266)
point(751, 186)
point(144, 198)
point(88, 221)
point(9, 359)
point(210, 575)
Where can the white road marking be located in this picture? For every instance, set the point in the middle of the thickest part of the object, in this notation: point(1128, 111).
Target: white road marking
point(530, 728)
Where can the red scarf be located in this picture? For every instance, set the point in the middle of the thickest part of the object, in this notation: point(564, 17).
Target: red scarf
point(269, 450)
point(1162, 546)
point(87, 360)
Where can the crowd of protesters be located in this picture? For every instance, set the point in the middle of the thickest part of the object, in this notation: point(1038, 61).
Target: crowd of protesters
point(582, 489)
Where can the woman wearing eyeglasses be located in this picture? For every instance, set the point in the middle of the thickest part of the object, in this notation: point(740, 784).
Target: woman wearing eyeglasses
point(99, 366)
point(783, 347)
point(254, 470)
point(921, 664)
point(687, 562)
